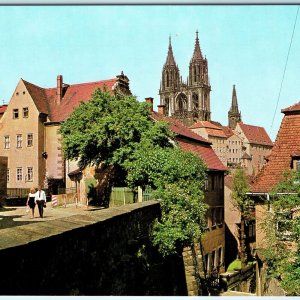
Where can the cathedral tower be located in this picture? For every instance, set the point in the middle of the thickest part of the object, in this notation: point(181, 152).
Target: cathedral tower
point(170, 82)
point(234, 116)
point(188, 101)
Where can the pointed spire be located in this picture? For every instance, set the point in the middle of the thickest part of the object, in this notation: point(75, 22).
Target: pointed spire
point(234, 104)
point(170, 58)
point(197, 51)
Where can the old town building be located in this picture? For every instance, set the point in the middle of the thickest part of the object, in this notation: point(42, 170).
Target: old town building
point(284, 157)
point(188, 101)
point(211, 251)
point(30, 128)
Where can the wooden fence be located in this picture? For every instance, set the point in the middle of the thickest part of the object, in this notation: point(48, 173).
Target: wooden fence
point(124, 195)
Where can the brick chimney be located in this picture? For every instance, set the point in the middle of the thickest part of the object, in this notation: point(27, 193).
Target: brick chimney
point(161, 109)
point(59, 89)
point(150, 100)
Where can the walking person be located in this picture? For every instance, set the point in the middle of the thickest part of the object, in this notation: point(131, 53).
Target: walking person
point(31, 201)
point(40, 199)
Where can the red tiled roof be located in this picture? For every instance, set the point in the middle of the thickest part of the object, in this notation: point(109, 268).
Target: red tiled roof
point(227, 131)
point(179, 128)
point(210, 128)
point(292, 109)
point(3, 108)
point(204, 124)
point(205, 152)
point(45, 99)
point(256, 134)
point(287, 143)
point(190, 141)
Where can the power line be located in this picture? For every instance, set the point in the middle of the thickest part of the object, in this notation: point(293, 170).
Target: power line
point(286, 61)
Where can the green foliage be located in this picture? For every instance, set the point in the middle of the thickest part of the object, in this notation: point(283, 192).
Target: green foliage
point(177, 177)
point(236, 264)
point(239, 191)
point(283, 262)
point(108, 128)
point(119, 131)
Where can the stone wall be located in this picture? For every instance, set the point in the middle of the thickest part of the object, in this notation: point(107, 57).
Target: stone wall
point(102, 252)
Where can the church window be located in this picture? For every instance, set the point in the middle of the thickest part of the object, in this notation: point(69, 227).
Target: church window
point(168, 83)
point(167, 104)
point(205, 102)
point(195, 102)
point(181, 102)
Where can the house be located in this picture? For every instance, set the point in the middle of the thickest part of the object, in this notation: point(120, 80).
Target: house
point(285, 156)
point(215, 135)
point(30, 129)
point(257, 146)
point(212, 248)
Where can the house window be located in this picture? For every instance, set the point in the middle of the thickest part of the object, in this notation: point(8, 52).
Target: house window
point(19, 140)
point(6, 142)
point(19, 174)
point(29, 139)
point(7, 175)
point(16, 113)
point(25, 112)
point(29, 175)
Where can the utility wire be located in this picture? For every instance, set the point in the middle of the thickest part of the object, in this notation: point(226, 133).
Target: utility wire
point(286, 62)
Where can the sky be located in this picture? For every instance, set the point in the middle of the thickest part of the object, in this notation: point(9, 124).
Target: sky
point(245, 45)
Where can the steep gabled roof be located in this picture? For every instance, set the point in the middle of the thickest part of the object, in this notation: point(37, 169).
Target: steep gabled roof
point(256, 134)
point(190, 141)
point(39, 97)
point(287, 144)
point(74, 94)
point(45, 98)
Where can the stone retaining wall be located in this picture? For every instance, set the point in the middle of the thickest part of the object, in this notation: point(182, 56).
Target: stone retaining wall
point(102, 252)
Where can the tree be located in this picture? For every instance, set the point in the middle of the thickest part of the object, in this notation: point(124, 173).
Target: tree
point(178, 178)
point(108, 128)
point(243, 202)
point(118, 131)
point(282, 229)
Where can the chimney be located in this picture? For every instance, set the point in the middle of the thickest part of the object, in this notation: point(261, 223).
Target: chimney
point(59, 89)
point(150, 100)
point(161, 109)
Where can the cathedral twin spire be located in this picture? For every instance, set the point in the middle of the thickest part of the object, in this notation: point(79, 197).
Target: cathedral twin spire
point(189, 101)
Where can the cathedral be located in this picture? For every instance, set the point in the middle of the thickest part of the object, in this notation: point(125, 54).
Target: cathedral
point(188, 101)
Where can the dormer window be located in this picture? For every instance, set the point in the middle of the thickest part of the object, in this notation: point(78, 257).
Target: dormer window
point(295, 164)
point(16, 113)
